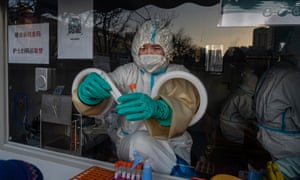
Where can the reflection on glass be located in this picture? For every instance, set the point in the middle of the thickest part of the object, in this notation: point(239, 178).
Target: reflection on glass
point(214, 58)
point(193, 28)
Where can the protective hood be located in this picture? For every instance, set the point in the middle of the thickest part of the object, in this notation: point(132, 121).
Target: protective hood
point(249, 81)
point(153, 32)
point(291, 49)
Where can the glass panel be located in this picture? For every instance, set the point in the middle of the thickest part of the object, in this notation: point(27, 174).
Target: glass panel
point(41, 113)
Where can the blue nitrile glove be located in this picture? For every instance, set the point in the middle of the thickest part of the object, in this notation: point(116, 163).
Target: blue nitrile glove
point(139, 106)
point(93, 89)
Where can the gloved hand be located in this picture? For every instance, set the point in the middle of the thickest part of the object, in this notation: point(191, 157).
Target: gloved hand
point(139, 106)
point(273, 172)
point(93, 89)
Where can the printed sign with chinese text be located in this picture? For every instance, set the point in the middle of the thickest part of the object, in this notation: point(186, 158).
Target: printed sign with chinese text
point(29, 43)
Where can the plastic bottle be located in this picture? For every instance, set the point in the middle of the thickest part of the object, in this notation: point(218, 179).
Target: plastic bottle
point(147, 170)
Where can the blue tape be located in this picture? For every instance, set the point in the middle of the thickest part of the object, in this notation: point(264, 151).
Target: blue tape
point(153, 32)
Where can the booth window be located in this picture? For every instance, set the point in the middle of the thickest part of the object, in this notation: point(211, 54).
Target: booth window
point(50, 42)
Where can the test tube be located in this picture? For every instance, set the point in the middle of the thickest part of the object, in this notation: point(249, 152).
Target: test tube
point(132, 87)
point(117, 174)
point(128, 170)
point(137, 173)
point(123, 169)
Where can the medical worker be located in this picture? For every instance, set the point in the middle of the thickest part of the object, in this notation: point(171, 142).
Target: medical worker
point(238, 118)
point(154, 127)
point(278, 109)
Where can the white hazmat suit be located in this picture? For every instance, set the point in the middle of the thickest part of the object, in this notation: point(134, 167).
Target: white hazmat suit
point(238, 113)
point(278, 109)
point(163, 144)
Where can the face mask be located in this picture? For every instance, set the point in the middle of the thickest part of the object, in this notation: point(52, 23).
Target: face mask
point(152, 63)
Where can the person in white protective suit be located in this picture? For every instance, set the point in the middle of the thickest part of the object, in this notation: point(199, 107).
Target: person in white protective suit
point(278, 109)
point(155, 127)
point(237, 118)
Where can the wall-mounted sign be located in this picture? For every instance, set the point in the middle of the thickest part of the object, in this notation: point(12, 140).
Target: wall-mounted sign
point(75, 29)
point(259, 12)
point(28, 43)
